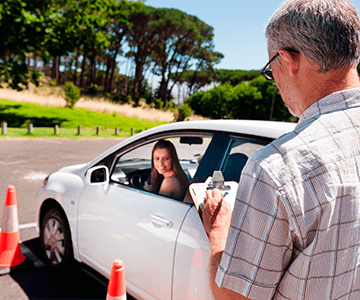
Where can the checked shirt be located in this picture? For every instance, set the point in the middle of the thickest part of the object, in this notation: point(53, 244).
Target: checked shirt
point(295, 228)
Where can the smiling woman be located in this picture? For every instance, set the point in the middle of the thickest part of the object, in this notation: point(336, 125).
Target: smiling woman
point(167, 177)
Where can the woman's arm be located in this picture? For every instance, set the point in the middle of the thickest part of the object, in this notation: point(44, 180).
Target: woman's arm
point(170, 186)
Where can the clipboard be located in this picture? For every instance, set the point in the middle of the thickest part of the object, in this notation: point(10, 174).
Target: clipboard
point(198, 190)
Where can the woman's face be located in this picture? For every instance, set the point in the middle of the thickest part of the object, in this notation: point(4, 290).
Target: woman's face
point(162, 161)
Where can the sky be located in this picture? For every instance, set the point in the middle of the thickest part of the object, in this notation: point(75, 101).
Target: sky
point(238, 27)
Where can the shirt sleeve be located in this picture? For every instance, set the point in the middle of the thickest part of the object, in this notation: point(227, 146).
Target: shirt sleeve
point(259, 246)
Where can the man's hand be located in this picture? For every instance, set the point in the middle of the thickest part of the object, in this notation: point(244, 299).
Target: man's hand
point(216, 213)
point(216, 218)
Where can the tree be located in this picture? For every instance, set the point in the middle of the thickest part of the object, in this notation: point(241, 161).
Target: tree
point(197, 80)
point(181, 39)
point(21, 30)
point(182, 42)
point(206, 59)
point(118, 27)
point(141, 40)
point(234, 77)
point(271, 106)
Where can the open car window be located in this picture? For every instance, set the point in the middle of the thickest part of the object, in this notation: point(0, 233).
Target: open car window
point(134, 167)
point(240, 149)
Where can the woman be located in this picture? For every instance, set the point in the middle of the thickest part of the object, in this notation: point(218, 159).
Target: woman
point(167, 178)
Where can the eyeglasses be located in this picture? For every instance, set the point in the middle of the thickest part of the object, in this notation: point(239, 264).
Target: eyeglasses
point(267, 73)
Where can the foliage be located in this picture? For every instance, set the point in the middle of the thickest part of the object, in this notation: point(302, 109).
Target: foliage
point(182, 112)
point(21, 24)
point(159, 104)
point(172, 106)
point(246, 103)
point(182, 40)
point(234, 77)
point(72, 94)
point(213, 103)
point(258, 99)
point(195, 80)
point(81, 40)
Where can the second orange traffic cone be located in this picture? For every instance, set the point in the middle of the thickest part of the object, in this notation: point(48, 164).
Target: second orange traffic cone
point(117, 286)
point(10, 252)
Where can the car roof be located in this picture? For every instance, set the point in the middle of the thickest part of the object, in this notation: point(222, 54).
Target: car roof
point(268, 129)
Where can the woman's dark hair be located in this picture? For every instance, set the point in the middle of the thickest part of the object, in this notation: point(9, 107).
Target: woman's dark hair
point(156, 178)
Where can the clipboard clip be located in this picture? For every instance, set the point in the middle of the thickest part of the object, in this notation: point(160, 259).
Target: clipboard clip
point(218, 182)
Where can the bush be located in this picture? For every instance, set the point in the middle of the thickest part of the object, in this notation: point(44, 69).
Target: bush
point(121, 98)
point(212, 103)
point(159, 104)
point(72, 94)
point(92, 89)
point(251, 100)
point(182, 113)
point(52, 82)
point(172, 106)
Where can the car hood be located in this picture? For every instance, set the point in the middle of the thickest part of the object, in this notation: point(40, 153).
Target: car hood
point(75, 169)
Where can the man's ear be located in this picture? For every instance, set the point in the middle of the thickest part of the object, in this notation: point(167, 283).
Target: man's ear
point(292, 61)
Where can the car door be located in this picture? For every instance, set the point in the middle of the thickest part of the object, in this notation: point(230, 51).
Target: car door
point(119, 220)
point(138, 227)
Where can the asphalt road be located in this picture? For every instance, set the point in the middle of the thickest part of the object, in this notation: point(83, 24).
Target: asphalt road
point(24, 164)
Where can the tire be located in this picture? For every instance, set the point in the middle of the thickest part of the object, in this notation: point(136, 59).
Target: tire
point(55, 240)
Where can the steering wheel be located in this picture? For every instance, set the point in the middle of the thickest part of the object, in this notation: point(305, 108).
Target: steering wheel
point(138, 180)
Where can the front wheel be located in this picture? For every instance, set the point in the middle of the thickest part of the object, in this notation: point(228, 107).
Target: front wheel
point(55, 239)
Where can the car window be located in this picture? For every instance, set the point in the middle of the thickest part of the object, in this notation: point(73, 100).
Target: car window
point(133, 168)
point(239, 151)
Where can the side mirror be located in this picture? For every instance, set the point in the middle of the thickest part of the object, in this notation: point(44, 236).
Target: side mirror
point(97, 175)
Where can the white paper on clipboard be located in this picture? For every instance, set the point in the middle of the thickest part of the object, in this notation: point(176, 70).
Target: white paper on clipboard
point(198, 192)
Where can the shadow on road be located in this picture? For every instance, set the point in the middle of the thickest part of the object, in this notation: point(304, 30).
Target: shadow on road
point(45, 283)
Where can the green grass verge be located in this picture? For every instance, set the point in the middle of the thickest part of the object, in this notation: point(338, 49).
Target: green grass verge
point(19, 115)
point(67, 133)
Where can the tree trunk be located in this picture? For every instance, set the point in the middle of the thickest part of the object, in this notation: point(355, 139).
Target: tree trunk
point(137, 82)
point(92, 70)
point(108, 61)
point(113, 65)
point(163, 90)
point(82, 71)
point(76, 66)
point(55, 68)
point(35, 62)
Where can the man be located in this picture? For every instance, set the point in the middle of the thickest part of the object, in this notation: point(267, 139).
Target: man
point(295, 228)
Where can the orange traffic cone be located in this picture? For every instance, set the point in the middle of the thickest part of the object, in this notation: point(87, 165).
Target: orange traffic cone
point(10, 252)
point(117, 286)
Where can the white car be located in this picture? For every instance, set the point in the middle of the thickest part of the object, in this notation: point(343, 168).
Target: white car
point(97, 212)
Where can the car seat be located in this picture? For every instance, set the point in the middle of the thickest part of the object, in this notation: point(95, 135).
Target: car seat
point(233, 166)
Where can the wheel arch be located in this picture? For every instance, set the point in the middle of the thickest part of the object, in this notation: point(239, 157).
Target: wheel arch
point(50, 208)
point(48, 204)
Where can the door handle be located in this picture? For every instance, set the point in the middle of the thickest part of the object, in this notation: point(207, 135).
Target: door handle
point(160, 221)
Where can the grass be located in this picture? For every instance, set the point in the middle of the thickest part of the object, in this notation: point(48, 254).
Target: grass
point(51, 96)
point(44, 118)
point(67, 133)
point(44, 107)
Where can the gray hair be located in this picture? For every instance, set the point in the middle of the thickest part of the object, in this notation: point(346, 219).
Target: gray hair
point(324, 31)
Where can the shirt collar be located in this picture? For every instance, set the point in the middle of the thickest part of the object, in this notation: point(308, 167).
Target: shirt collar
point(336, 101)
